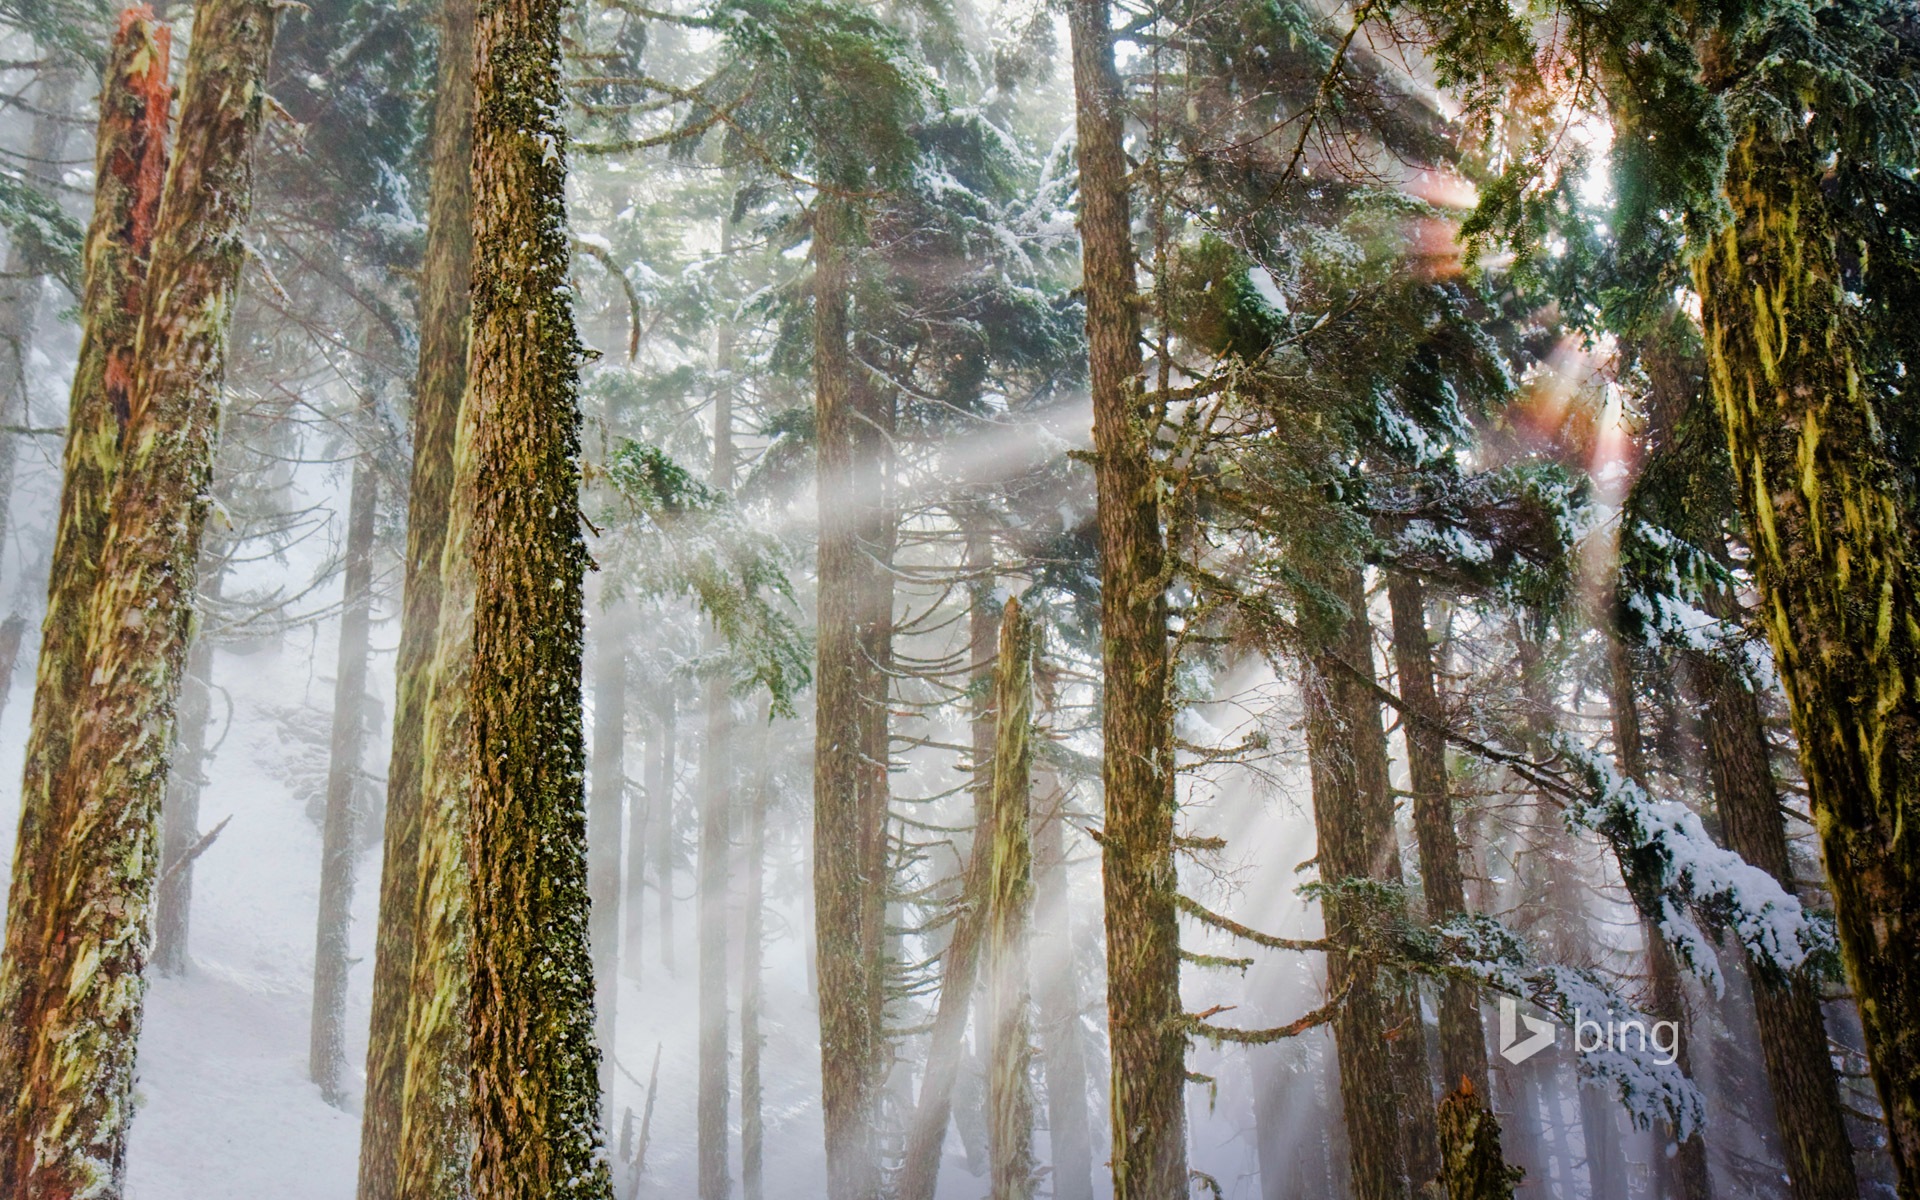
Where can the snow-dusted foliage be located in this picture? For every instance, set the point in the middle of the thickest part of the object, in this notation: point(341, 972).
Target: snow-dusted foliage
point(1648, 1082)
point(1680, 878)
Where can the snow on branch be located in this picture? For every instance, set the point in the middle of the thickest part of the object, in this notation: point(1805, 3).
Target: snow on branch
point(1676, 872)
point(1649, 1084)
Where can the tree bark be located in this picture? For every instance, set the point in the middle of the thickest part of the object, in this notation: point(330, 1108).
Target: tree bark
point(1463, 1039)
point(716, 847)
point(1685, 1170)
point(440, 378)
point(1793, 1032)
point(1833, 558)
point(1143, 937)
point(605, 801)
point(1009, 1024)
point(1063, 1056)
point(847, 939)
point(130, 169)
point(180, 808)
point(534, 1067)
point(1556, 888)
point(327, 1050)
point(1385, 1081)
point(1471, 1164)
point(1353, 824)
point(959, 961)
point(67, 1131)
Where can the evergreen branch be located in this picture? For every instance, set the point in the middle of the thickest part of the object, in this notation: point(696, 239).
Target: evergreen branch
point(1197, 1024)
point(1207, 916)
point(604, 257)
point(192, 852)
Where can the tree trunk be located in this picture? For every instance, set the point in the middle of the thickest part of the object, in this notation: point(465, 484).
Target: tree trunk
point(753, 934)
point(130, 168)
point(1353, 819)
point(852, 1040)
point(327, 1051)
point(660, 798)
point(1063, 1056)
point(1793, 1032)
point(535, 1068)
point(604, 804)
point(1010, 915)
point(1149, 1049)
point(1463, 1040)
point(639, 816)
point(959, 961)
point(1600, 1136)
point(20, 281)
point(440, 378)
point(180, 808)
point(1686, 1169)
point(716, 798)
point(88, 940)
point(1557, 889)
point(1471, 1164)
point(1832, 555)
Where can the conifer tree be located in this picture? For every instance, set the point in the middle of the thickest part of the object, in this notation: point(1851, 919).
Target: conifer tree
point(131, 157)
point(1145, 1034)
point(534, 1066)
point(1010, 914)
point(439, 382)
point(1829, 518)
point(77, 1029)
point(327, 1053)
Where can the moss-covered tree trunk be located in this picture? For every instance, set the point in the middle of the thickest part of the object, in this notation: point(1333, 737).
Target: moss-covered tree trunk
point(340, 832)
point(535, 1068)
point(440, 378)
point(1362, 744)
point(1353, 821)
point(1833, 557)
point(1463, 1040)
point(1009, 1024)
point(1057, 1003)
point(87, 943)
point(847, 941)
point(1148, 1047)
point(130, 167)
point(436, 1137)
point(1793, 1032)
point(1471, 1164)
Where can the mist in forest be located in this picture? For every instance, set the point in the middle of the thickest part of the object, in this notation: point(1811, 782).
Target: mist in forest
point(1265, 599)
